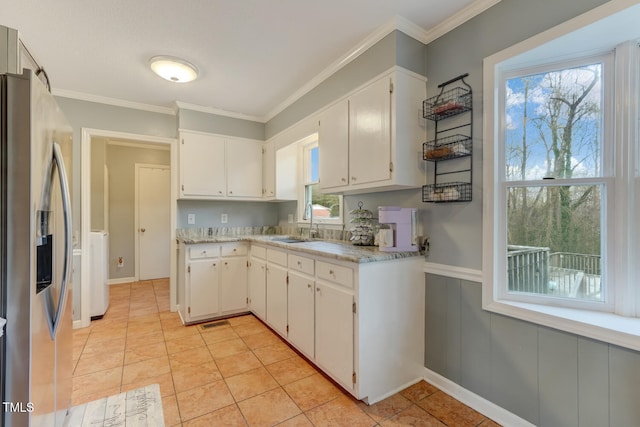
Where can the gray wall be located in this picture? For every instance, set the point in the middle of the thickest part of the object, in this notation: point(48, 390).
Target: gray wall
point(545, 376)
point(121, 163)
point(84, 114)
point(548, 377)
point(395, 49)
point(98, 162)
point(239, 214)
point(212, 123)
point(456, 228)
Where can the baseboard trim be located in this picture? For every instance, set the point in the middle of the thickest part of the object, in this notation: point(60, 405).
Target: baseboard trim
point(121, 280)
point(480, 404)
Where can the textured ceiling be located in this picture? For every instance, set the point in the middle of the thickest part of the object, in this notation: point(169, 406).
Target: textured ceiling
point(252, 54)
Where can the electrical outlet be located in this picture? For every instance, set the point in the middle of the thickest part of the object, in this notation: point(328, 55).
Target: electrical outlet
point(290, 219)
point(224, 218)
point(191, 219)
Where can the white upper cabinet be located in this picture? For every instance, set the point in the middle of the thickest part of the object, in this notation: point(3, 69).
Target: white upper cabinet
point(372, 139)
point(333, 146)
point(218, 167)
point(202, 170)
point(268, 171)
point(244, 169)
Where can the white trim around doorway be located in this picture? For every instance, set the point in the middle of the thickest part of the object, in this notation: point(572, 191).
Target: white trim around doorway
point(85, 210)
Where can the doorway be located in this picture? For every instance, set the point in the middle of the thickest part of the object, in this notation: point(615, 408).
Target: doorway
point(89, 136)
point(153, 222)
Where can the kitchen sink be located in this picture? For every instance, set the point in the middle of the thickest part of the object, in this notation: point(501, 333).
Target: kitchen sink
point(289, 240)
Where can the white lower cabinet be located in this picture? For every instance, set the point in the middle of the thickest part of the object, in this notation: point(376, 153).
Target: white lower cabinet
point(212, 281)
point(202, 288)
point(277, 298)
point(257, 286)
point(301, 312)
point(334, 332)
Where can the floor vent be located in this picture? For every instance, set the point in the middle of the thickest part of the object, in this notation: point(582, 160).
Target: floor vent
point(215, 324)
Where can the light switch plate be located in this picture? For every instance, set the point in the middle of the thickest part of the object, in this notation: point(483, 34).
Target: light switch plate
point(191, 219)
point(224, 218)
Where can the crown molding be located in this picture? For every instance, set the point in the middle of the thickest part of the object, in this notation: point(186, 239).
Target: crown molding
point(81, 96)
point(219, 112)
point(396, 23)
point(474, 9)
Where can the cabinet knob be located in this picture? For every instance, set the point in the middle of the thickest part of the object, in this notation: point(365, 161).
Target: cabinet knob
point(225, 263)
point(343, 179)
point(309, 285)
point(353, 178)
point(299, 264)
point(230, 192)
point(219, 192)
point(214, 264)
point(331, 273)
point(143, 230)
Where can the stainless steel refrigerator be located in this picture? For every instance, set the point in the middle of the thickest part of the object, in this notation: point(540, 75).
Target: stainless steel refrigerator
point(36, 251)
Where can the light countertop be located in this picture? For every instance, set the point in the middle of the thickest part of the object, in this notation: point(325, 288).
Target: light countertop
point(338, 250)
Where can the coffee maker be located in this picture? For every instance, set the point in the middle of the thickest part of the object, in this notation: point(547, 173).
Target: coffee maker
point(401, 233)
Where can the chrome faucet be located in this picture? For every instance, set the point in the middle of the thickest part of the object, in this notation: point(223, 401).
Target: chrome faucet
point(312, 232)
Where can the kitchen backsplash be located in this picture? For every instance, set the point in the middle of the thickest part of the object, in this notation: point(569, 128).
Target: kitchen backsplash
point(323, 234)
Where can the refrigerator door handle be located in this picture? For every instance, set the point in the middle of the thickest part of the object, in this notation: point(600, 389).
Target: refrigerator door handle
point(53, 319)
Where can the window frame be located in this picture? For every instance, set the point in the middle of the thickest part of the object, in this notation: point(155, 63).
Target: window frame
point(305, 146)
point(622, 326)
point(606, 180)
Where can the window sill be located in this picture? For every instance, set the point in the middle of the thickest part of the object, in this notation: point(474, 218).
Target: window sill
point(606, 327)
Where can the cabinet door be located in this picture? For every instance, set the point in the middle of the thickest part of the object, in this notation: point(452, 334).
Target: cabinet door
point(300, 307)
point(334, 332)
point(202, 165)
point(244, 168)
point(258, 287)
point(268, 171)
point(202, 288)
point(277, 298)
point(233, 284)
point(333, 146)
point(370, 133)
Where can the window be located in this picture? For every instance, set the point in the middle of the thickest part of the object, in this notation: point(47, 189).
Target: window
point(554, 178)
point(322, 208)
point(561, 165)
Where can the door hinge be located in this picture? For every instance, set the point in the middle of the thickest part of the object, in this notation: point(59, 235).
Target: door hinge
point(182, 187)
point(247, 263)
point(189, 310)
point(353, 377)
point(287, 328)
point(354, 307)
point(247, 300)
point(189, 269)
point(182, 141)
point(390, 86)
point(390, 166)
point(287, 279)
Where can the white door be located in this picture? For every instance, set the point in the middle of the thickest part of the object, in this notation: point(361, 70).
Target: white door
point(154, 221)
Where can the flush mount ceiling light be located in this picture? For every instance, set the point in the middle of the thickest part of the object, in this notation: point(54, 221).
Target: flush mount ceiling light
point(173, 69)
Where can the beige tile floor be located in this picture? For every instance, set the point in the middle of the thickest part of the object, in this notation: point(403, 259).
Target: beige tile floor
point(237, 374)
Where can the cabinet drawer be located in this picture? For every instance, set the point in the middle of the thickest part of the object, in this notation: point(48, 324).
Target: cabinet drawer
point(335, 273)
point(233, 249)
point(302, 264)
point(258, 252)
point(277, 257)
point(204, 251)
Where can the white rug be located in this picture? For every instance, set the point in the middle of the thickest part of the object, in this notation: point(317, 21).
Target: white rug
point(136, 408)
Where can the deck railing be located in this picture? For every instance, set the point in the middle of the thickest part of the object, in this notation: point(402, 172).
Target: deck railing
point(536, 270)
point(528, 269)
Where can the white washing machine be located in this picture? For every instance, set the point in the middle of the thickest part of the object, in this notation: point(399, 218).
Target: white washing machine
point(99, 252)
